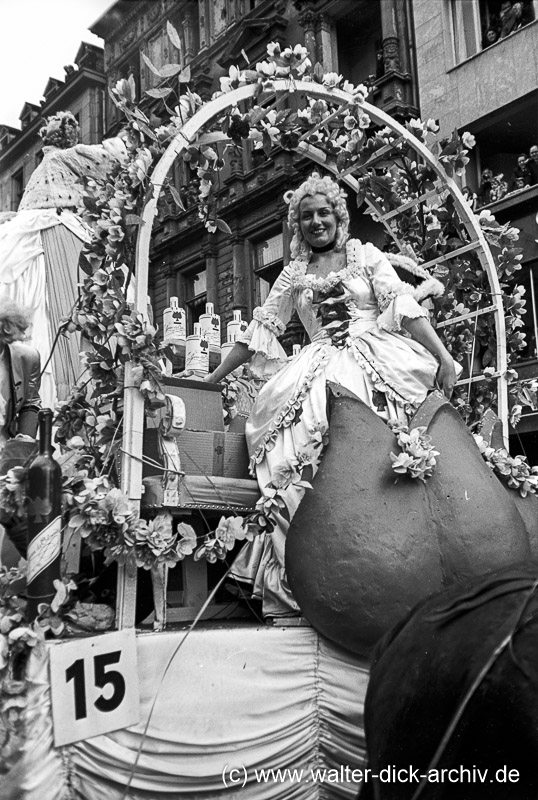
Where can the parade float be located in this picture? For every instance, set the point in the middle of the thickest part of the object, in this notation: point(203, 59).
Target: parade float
point(95, 705)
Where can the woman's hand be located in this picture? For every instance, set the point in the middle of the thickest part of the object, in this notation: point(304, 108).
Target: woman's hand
point(446, 376)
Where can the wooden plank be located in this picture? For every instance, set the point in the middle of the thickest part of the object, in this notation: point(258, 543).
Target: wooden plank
point(195, 589)
point(477, 379)
point(213, 611)
point(378, 155)
point(410, 204)
point(469, 315)
point(71, 552)
point(474, 245)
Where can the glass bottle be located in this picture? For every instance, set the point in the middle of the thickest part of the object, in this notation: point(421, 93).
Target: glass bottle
point(44, 519)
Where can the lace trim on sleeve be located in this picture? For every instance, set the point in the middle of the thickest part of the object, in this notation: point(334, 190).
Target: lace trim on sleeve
point(402, 305)
point(261, 338)
point(270, 321)
point(385, 296)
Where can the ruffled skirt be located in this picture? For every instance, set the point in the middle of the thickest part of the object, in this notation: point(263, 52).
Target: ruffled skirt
point(388, 371)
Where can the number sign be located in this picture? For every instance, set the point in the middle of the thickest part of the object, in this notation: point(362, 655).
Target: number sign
point(94, 686)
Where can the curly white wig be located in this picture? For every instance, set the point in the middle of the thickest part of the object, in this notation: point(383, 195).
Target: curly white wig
point(60, 130)
point(315, 184)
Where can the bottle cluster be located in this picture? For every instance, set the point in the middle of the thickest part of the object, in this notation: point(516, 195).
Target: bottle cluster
point(206, 337)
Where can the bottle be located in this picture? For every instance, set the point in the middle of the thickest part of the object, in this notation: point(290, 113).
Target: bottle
point(174, 323)
point(197, 352)
point(295, 352)
point(225, 349)
point(210, 327)
point(236, 325)
point(44, 519)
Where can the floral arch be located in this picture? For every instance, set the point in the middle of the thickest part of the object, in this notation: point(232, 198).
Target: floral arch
point(401, 173)
point(397, 139)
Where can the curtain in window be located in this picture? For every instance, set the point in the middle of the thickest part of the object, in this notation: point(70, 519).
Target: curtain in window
point(464, 27)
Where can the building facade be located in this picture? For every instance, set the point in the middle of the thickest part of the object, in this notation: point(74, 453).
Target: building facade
point(477, 70)
point(81, 92)
point(368, 41)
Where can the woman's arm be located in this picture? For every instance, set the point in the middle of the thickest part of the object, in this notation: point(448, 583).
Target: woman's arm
point(423, 333)
point(238, 355)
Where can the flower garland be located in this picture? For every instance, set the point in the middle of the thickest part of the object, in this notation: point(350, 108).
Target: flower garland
point(17, 640)
point(418, 456)
point(287, 473)
point(513, 470)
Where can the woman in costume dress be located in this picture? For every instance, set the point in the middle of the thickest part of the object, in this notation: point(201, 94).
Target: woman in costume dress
point(385, 352)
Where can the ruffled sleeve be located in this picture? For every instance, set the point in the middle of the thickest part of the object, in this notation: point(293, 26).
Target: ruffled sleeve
point(394, 296)
point(269, 321)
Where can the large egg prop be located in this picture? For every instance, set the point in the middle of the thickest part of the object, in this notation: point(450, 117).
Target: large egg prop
point(367, 544)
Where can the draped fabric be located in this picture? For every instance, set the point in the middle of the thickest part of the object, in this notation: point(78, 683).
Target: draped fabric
point(237, 696)
point(45, 282)
point(61, 250)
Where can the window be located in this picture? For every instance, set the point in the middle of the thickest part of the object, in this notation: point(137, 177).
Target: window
point(478, 24)
point(268, 262)
point(465, 28)
point(17, 189)
point(528, 278)
point(501, 139)
point(359, 42)
point(195, 297)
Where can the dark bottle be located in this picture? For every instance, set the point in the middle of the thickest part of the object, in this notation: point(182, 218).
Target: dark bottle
point(44, 519)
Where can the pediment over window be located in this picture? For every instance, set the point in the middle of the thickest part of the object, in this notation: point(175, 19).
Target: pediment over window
point(29, 112)
point(252, 36)
point(7, 134)
point(90, 56)
point(52, 85)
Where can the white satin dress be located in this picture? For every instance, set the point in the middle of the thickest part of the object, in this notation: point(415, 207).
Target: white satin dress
point(377, 358)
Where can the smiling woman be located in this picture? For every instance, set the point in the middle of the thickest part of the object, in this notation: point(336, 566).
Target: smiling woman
point(369, 338)
point(318, 223)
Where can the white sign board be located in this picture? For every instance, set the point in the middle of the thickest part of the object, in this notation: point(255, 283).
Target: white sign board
point(94, 685)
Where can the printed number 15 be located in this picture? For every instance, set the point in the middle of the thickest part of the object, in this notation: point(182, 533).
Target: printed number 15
point(102, 677)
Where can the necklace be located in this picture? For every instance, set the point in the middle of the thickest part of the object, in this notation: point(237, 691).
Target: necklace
point(324, 249)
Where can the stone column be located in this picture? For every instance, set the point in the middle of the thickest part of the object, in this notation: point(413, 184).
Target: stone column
point(203, 23)
point(236, 161)
point(212, 290)
point(307, 20)
point(188, 23)
point(324, 38)
point(240, 277)
point(177, 287)
point(391, 42)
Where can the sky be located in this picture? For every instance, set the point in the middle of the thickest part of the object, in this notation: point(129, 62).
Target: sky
point(39, 38)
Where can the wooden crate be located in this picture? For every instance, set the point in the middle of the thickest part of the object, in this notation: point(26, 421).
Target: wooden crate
point(203, 453)
point(203, 403)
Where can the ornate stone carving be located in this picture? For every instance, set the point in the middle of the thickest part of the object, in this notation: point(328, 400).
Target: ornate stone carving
point(391, 54)
point(127, 39)
point(307, 19)
point(323, 22)
point(154, 12)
